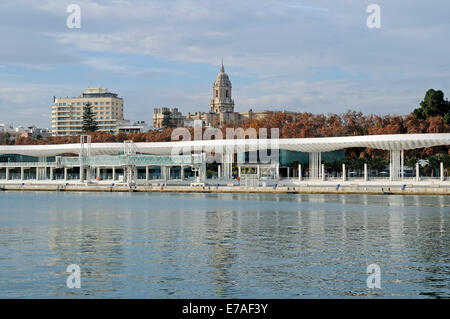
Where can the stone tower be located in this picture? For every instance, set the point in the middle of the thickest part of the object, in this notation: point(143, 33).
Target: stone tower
point(222, 101)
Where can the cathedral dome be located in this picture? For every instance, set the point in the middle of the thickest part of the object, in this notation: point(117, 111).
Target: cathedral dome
point(222, 101)
point(222, 78)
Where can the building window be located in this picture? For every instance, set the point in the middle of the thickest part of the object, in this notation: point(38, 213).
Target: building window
point(217, 93)
point(227, 93)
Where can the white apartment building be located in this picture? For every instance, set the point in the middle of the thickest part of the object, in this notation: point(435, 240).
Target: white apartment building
point(6, 127)
point(127, 127)
point(67, 112)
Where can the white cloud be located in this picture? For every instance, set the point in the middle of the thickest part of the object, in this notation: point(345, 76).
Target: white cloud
point(273, 44)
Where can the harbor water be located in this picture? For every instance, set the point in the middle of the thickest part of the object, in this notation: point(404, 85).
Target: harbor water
point(175, 245)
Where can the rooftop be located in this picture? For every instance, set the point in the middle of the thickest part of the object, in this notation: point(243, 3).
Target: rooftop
point(95, 93)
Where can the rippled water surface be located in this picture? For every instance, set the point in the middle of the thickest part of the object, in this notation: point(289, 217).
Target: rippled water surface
point(158, 245)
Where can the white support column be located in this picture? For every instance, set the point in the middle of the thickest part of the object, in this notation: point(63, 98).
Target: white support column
point(323, 172)
point(402, 164)
point(41, 172)
point(228, 158)
point(344, 173)
point(278, 171)
point(417, 172)
point(395, 165)
point(315, 161)
point(114, 173)
point(391, 174)
point(300, 172)
point(218, 171)
point(99, 171)
point(7, 173)
point(204, 173)
point(441, 170)
point(146, 173)
point(22, 173)
point(224, 166)
point(51, 173)
point(319, 161)
point(258, 172)
point(239, 171)
point(164, 173)
point(65, 173)
point(223, 169)
point(366, 178)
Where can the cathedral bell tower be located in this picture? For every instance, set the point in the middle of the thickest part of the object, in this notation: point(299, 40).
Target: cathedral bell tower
point(222, 101)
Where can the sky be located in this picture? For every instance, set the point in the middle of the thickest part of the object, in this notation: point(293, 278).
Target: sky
point(299, 55)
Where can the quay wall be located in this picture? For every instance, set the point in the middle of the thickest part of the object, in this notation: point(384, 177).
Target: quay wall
point(306, 189)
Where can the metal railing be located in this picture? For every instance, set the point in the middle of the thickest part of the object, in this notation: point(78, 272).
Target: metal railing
point(28, 164)
point(105, 160)
point(122, 160)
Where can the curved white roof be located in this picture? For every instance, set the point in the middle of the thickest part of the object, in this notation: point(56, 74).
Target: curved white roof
point(323, 144)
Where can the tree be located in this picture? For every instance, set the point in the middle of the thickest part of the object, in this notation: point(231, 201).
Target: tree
point(89, 123)
point(355, 164)
point(121, 137)
point(335, 166)
point(377, 163)
point(447, 118)
point(433, 105)
point(412, 161)
point(5, 139)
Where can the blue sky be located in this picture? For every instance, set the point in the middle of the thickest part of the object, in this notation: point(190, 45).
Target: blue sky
point(304, 55)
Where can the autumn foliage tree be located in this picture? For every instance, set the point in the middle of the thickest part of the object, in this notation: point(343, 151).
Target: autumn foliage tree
point(433, 116)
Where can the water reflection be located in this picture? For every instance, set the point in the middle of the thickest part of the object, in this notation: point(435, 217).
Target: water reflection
point(223, 245)
point(88, 242)
point(221, 236)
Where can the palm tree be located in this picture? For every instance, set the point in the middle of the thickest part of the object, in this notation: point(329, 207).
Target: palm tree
point(377, 163)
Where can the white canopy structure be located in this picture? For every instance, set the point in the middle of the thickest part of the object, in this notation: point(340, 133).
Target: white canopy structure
point(128, 155)
point(397, 142)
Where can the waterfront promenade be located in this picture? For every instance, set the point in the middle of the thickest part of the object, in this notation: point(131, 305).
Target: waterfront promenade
point(426, 187)
point(151, 167)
